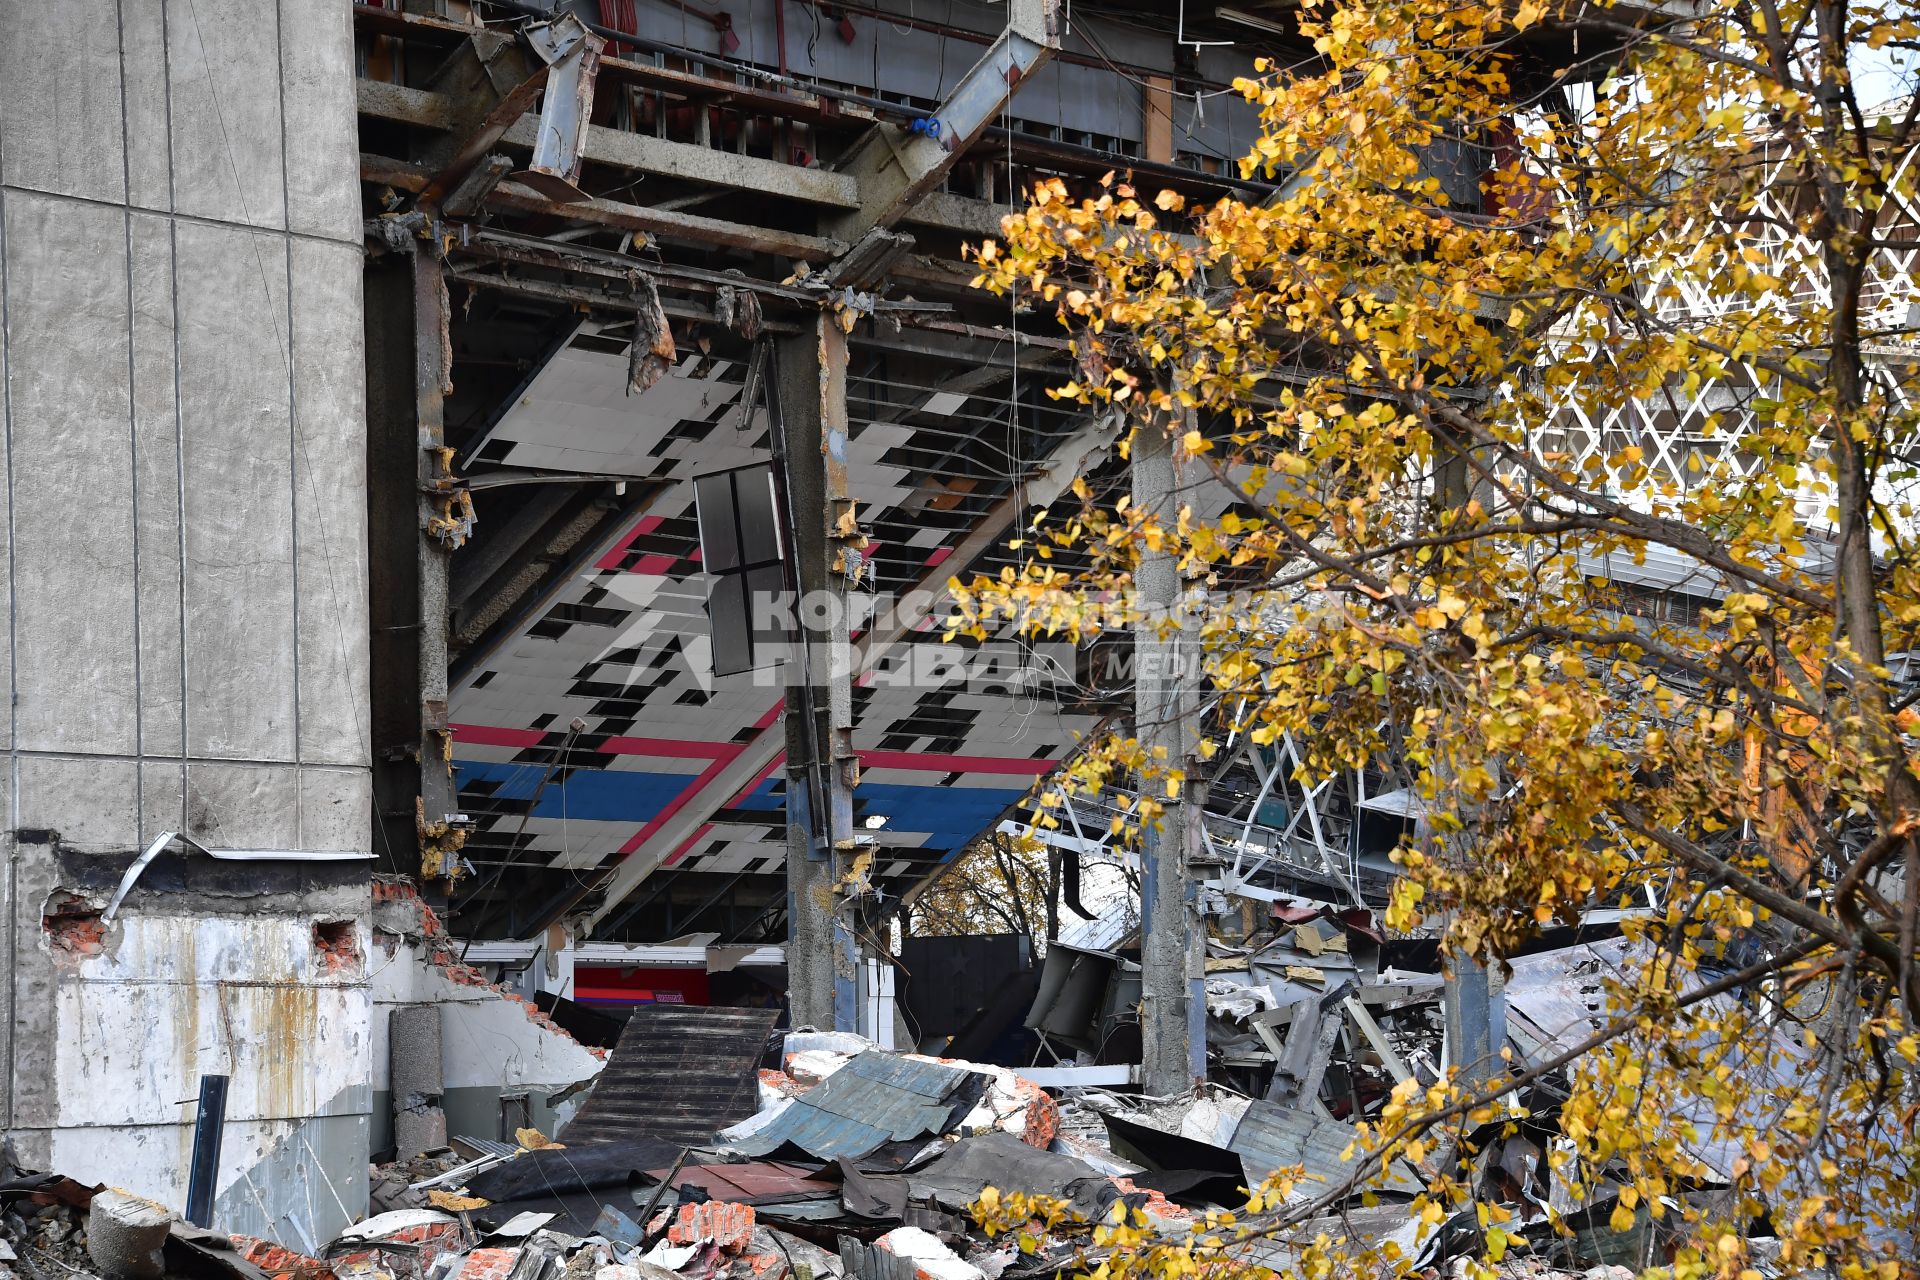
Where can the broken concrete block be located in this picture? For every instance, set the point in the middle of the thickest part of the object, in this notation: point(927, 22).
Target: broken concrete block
point(418, 1129)
point(931, 1259)
point(125, 1234)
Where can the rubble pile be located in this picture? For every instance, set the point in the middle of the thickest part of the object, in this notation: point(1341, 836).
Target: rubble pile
point(713, 1147)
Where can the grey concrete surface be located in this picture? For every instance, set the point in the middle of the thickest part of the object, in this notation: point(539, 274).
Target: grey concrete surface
point(183, 586)
point(125, 1234)
point(413, 1050)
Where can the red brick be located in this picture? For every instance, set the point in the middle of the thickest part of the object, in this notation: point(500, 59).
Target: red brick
point(728, 1225)
point(488, 1264)
point(280, 1262)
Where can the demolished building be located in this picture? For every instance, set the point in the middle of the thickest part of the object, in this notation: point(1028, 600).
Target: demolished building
point(403, 403)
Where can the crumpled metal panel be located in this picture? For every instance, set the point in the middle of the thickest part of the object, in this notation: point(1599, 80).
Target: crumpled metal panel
point(680, 1073)
point(875, 1099)
point(1272, 1137)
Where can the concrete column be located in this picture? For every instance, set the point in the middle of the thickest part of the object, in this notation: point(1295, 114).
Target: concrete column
point(433, 362)
point(822, 769)
point(416, 1070)
point(1172, 940)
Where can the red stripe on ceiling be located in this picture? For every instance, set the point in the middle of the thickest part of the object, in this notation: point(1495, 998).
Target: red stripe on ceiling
point(933, 762)
point(693, 789)
point(670, 748)
point(611, 560)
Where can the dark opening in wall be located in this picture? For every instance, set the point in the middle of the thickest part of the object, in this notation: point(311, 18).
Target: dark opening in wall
point(74, 927)
point(336, 944)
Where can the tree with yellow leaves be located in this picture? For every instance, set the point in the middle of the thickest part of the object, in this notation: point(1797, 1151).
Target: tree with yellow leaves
point(1667, 322)
point(998, 884)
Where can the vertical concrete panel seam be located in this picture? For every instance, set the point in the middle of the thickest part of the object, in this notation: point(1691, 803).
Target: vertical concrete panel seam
point(179, 414)
point(13, 686)
point(133, 442)
point(293, 426)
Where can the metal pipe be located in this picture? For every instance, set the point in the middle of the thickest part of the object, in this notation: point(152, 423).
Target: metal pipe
point(209, 1126)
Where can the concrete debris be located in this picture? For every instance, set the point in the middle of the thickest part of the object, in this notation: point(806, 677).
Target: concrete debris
point(854, 1160)
point(126, 1235)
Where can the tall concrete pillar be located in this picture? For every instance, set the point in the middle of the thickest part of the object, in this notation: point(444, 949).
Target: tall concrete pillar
point(822, 956)
point(1166, 668)
point(183, 579)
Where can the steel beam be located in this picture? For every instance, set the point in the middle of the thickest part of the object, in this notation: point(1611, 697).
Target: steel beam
point(895, 167)
point(810, 412)
point(638, 152)
point(667, 224)
point(572, 55)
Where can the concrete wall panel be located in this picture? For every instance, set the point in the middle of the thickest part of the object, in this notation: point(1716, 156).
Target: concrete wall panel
point(143, 67)
point(336, 809)
point(156, 435)
point(316, 55)
point(244, 806)
point(6, 530)
point(239, 494)
point(274, 1175)
point(92, 801)
point(330, 497)
point(35, 1087)
point(73, 475)
point(223, 59)
point(163, 798)
point(161, 604)
point(289, 1049)
point(60, 99)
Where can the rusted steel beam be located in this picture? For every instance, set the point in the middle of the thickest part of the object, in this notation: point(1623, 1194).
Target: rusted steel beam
point(572, 55)
point(617, 148)
point(438, 802)
point(667, 224)
point(684, 85)
point(474, 147)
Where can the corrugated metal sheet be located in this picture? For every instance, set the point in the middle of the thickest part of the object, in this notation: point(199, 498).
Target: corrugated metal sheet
point(875, 1099)
point(680, 1073)
point(1273, 1137)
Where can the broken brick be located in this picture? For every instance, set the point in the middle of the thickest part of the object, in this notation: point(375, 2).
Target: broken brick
point(279, 1262)
point(74, 928)
point(725, 1224)
point(488, 1264)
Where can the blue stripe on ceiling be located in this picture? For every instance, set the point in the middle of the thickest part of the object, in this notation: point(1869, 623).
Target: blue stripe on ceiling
point(949, 817)
point(590, 795)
